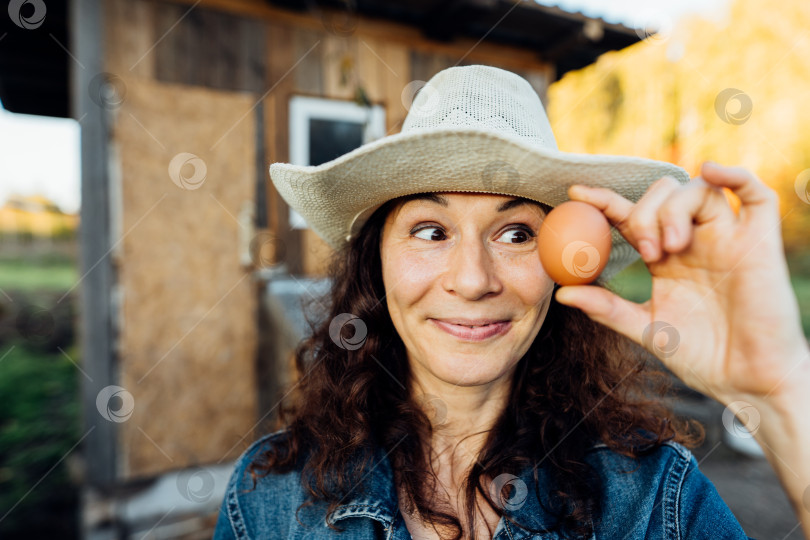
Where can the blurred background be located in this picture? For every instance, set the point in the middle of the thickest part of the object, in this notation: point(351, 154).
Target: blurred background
point(153, 283)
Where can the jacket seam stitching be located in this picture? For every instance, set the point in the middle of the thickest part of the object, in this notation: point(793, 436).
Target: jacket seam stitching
point(672, 495)
point(235, 516)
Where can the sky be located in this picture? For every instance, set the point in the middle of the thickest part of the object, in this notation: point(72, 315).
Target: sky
point(40, 155)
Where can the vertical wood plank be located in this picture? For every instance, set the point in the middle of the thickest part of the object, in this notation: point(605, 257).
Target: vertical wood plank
point(397, 56)
point(96, 323)
point(253, 53)
point(308, 74)
point(170, 52)
point(369, 67)
point(339, 62)
point(282, 81)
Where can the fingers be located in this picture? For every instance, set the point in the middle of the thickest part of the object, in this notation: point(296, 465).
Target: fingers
point(750, 189)
point(639, 222)
point(605, 307)
point(644, 222)
point(662, 220)
point(694, 203)
point(759, 204)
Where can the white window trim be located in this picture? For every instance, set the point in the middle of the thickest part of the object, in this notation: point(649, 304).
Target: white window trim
point(303, 108)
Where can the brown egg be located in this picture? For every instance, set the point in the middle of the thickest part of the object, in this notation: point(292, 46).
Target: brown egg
point(574, 243)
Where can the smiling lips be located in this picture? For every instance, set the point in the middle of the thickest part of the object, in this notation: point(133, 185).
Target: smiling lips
point(473, 329)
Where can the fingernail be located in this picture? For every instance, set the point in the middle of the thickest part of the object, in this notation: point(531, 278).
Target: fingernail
point(646, 249)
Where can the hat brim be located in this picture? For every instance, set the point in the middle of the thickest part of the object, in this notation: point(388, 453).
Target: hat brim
point(337, 197)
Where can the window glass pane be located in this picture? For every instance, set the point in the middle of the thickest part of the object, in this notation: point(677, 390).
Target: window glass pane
point(329, 139)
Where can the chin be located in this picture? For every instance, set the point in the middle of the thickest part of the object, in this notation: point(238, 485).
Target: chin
point(470, 371)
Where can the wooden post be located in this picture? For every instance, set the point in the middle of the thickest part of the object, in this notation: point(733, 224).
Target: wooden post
point(96, 331)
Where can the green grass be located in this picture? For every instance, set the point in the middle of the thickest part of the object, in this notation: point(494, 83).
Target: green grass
point(39, 425)
point(635, 283)
point(50, 273)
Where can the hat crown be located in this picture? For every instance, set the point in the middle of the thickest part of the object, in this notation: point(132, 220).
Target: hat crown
point(483, 97)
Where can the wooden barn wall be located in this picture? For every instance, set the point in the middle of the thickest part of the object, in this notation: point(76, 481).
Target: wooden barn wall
point(187, 332)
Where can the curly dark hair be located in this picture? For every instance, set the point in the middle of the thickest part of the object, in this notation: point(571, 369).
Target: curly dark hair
point(566, 394)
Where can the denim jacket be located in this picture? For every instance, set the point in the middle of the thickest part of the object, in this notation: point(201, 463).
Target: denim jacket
point(665, 496)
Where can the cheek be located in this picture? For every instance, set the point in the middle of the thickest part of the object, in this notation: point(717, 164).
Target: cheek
point(525, 277)
point(407, 277)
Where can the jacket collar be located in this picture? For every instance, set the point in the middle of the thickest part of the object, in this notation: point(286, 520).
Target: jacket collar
point(377, 499)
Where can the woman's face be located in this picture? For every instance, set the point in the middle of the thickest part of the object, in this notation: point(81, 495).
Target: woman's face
point(450, 259)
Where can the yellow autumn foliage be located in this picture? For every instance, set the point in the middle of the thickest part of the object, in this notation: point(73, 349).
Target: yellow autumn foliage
point(736, 92)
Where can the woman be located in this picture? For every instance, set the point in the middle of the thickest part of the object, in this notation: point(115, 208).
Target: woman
point(454, 390)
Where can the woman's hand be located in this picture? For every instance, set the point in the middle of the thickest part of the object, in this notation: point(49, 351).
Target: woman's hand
point(722, 315)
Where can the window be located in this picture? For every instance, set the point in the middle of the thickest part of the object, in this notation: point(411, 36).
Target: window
point(323, 129)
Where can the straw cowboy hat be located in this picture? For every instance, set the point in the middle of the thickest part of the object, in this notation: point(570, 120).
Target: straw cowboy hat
point(470, 128)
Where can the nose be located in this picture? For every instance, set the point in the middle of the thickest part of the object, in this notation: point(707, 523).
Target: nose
point(471, 271)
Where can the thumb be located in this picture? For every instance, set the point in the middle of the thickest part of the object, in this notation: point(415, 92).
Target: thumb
point(607, 308)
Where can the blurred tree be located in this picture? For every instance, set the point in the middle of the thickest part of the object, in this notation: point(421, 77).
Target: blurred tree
point(734, 92)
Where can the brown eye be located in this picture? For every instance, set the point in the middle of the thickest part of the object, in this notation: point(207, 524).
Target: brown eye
point(438, 234)
point(518, 235)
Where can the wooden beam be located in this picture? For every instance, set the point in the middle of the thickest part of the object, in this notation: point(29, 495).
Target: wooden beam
point(97, 333)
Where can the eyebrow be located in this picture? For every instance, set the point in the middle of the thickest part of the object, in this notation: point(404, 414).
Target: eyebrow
point(438, 199)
